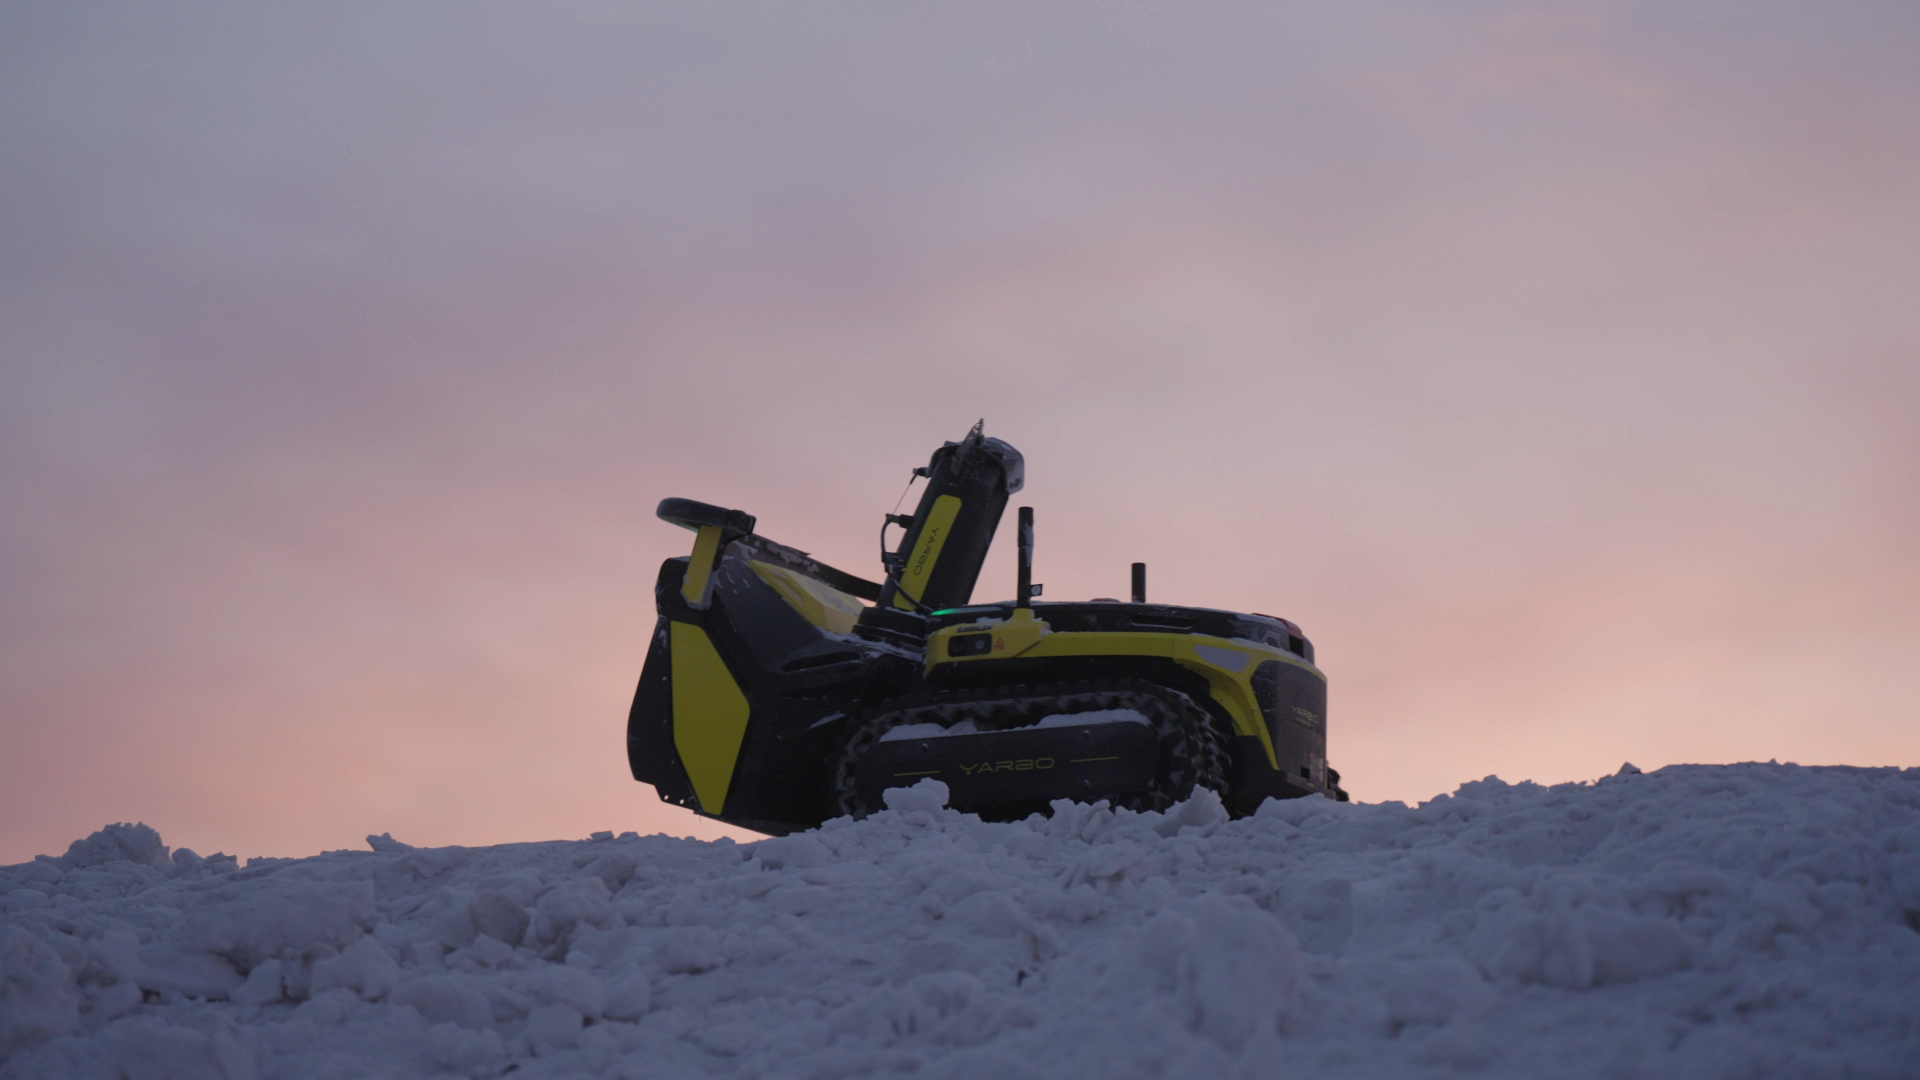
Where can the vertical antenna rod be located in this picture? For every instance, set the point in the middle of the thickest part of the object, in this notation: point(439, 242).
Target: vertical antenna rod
point(1139, 583)
point(1023, 596)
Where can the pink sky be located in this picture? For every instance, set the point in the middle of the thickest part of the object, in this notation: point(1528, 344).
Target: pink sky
point(1556, 366)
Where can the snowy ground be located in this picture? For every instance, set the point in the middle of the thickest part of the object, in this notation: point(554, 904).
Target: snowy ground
point(1739, 921)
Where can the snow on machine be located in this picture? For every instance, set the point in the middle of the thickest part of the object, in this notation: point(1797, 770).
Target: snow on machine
point(779, 692)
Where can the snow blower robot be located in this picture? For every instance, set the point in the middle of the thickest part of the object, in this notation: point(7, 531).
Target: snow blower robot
point(779, 692)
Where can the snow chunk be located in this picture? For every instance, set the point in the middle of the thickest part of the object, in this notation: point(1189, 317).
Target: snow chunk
point(365, 968)
point(1435, 991)
point(929, 731)
point(799, 850)
point(168, 969)
point(472, 1053)
point(499, 916)
point(1239, 969)
point(1052, 720)
point(586, 901)
point(445, 999)
point(264, 985)
point(144, 1047)
point(249, 922)
point(628, 997)
point(38, 1000)
point(553, 1027)
point(1091, 717)
point(138, 844)
point(560, 985)
point(692, 950)
point(928, 797)
point(1201, 811)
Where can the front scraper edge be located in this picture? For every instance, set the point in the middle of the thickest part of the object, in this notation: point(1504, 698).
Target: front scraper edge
point(779, 692)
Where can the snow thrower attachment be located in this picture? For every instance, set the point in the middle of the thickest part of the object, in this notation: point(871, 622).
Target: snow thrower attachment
point(779, 692)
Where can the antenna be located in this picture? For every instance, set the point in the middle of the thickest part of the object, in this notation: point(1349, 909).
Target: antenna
point(1023, 595)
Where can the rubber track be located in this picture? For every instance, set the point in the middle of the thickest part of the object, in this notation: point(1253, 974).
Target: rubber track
point(1191, 750)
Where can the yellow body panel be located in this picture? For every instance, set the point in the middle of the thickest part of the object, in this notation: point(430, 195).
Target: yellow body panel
point(698, 586)
point(819, 603)
point(1235, 694)
point(1020, 633)
point(926, 553)
point(1123, 643)
point(1227, 666)
point(709, 714)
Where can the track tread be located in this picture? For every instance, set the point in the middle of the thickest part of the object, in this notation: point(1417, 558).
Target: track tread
point(1192, 751)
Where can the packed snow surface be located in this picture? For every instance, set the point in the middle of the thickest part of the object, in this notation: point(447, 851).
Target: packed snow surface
point(1738, 921)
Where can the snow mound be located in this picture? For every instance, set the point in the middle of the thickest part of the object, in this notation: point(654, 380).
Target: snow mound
point(1737, 921)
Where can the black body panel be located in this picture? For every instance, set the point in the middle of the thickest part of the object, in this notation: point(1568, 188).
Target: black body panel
point(650, 752)
point(982, 473)
point(799, 681)
point(1021, 766)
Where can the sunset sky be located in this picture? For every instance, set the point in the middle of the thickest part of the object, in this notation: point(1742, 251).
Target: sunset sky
point(1555, 365)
